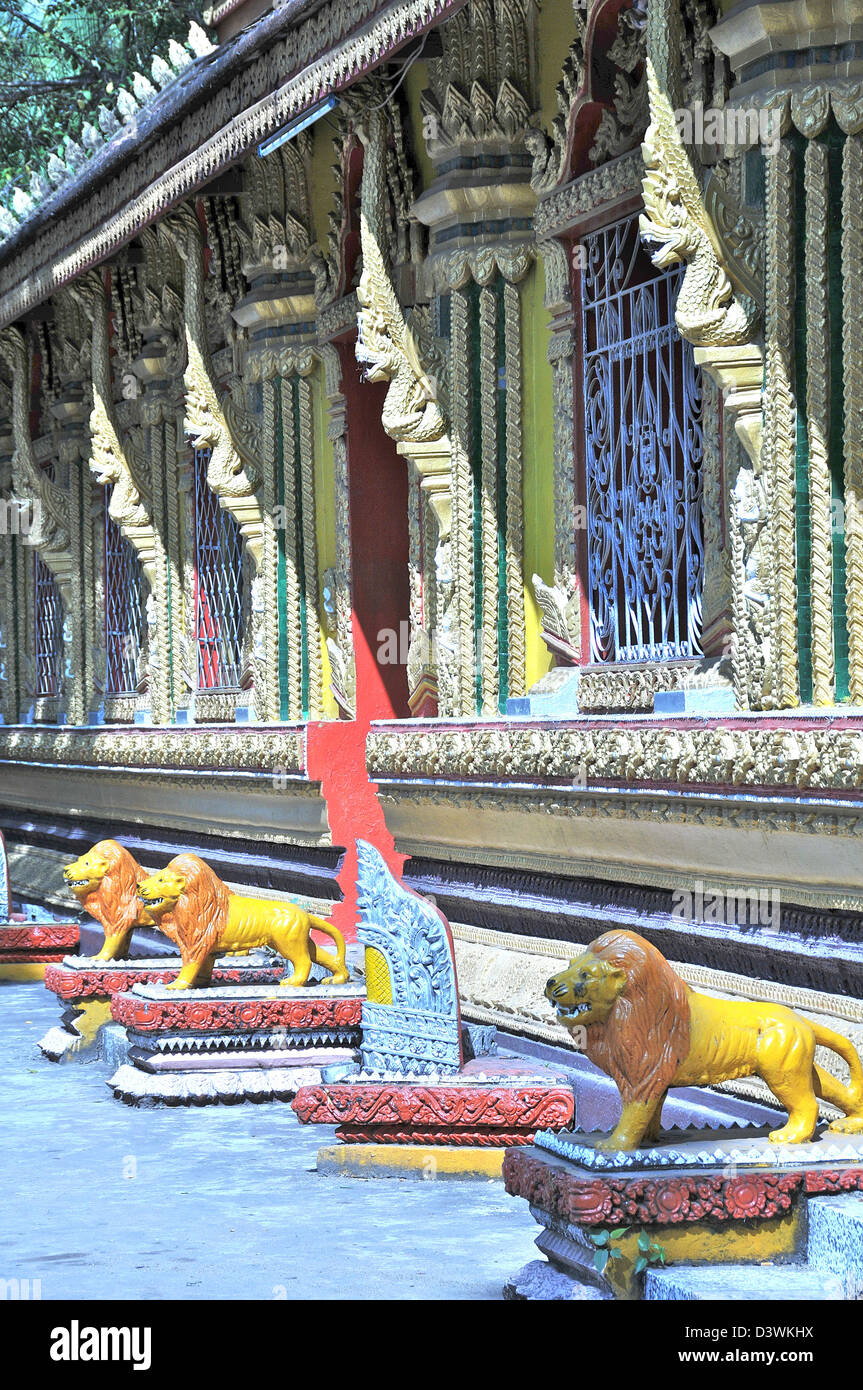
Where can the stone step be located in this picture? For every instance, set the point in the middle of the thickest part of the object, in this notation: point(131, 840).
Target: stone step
point(835, 1243)
point(739, 1283)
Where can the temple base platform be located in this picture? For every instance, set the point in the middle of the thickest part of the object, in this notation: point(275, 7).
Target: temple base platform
point(491, 1103)
point(229, 1044)
point(705, 1214)
point(87, 985)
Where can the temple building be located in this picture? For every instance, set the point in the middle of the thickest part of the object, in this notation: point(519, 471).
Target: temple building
point(436, 422)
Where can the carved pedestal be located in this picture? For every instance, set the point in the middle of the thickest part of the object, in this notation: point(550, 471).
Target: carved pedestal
point(233, 1043)
point(86, 986)
point(416, 1089)
point(652, 1224)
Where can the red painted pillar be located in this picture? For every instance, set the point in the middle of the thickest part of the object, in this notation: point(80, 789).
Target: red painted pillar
point(378, 500)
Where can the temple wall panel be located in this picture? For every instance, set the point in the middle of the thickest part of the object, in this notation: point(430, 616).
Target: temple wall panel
point(485, 386)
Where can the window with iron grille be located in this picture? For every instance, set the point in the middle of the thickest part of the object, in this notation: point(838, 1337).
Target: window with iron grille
point(218, 587)
point(48, 630)
point(643, 453)
point(124, 611)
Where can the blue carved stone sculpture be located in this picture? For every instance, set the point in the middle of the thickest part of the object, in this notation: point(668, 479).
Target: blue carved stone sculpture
point(411, 1023)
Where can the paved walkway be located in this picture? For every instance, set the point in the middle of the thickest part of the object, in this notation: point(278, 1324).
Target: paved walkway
point(102, 1201)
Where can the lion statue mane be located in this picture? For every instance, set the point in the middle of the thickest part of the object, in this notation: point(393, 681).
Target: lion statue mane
point(644, 1026)
point(105, 882)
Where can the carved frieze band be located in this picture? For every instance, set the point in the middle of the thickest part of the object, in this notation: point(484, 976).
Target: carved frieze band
point(229, 748)
point(820, 756)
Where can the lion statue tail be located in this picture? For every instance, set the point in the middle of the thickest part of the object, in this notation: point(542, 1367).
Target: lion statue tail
point(852, 1101)
point(341, 951)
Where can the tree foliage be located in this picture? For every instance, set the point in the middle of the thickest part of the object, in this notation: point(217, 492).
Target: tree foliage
point(60, 60)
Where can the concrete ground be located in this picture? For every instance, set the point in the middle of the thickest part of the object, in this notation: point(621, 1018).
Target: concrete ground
point(98, 1200)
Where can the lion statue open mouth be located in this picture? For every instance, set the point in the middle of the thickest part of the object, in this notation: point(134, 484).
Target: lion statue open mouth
point(649, 1031)
point(193, 907)
point(105, 882)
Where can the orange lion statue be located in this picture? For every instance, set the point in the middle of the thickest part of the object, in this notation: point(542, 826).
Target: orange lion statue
point(105, 882)
point(197, 911)
point(649, 1031)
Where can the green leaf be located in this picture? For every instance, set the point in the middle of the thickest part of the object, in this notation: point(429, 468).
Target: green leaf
point(599, 1237)
point(600, 1260)
point(641, 1264)
point(621, 1231)
point(643, 1242)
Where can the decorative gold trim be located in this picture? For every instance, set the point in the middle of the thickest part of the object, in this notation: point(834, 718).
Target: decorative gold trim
point(310, 548)
point(457, 642)
point(817, 310)
point(821, 756)
point(489, 501)
point(852, 320)
point(293, 578)
point(780, 424)
point(514, 539)
point(227, 748)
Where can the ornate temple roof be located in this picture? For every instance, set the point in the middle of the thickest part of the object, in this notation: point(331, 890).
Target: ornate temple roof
point(161, 145)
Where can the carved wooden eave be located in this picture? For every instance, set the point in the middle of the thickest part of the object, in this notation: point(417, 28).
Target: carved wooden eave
point(242, 97)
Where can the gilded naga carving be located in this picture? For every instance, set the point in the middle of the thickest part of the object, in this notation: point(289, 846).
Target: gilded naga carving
point(212, 420)
point(708, 313)
point(111, 464)
point(386, 344)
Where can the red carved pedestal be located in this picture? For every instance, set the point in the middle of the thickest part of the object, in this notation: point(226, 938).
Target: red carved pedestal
point(496, 1111)
point(186, 1013)
point(104, 979)
point(580, 1198)
point(36, 942)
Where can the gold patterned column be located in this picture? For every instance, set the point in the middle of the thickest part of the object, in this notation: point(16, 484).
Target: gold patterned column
point(293, 578)
point(8, 629)
point(310, 546)
point(779, 420)
point(816, 181)
point(461, 559)
point(159, 622)
point(270, 566)
point(514, 482)
point(487, 651)
point(852, 320)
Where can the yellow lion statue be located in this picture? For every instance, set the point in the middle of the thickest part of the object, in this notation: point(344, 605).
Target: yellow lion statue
point(196, 910)
point(649, 1031)
point(105, 882)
